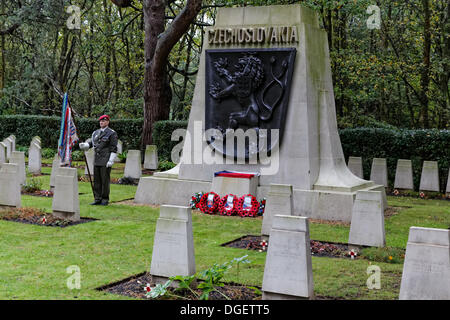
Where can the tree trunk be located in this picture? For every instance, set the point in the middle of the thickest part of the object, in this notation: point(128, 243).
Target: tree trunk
point(425, 76)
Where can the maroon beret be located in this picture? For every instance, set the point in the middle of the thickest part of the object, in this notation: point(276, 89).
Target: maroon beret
point(105, 116)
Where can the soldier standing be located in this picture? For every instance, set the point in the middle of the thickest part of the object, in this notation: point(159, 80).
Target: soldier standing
point(104, 142)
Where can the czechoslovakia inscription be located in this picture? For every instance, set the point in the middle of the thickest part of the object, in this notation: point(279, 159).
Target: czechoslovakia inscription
point(268, 35)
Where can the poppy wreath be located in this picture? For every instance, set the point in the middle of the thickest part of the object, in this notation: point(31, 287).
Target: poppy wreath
point(202, 205)
point(250, 212)
point(195, 200)
point(262, 207)
point(227, 211)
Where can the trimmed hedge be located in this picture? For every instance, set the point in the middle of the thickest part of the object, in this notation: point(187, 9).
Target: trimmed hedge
point(47, 128)
point(415, 145)
point(162, 133)
point(368, 143)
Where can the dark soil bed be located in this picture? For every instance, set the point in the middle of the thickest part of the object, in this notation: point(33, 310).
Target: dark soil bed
point(318, 248)
point(39, 193)
point(135, 287)
point(38, 217)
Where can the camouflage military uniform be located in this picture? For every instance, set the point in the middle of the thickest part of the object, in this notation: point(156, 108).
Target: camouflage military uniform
point(104, 142)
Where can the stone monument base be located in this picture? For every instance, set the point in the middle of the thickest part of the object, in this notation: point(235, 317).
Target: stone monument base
point(314, 204)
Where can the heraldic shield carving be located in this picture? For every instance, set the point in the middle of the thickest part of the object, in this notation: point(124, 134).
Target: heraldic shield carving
point(247, 89)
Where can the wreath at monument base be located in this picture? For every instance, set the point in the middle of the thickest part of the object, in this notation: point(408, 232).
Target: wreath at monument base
point(247, 209)
point(200, 201)
point(208, 206)
point(227, 210)
point(195, 200)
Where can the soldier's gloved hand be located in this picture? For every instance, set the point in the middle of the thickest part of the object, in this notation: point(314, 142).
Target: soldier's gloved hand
point(84, 146)
point(111, 160)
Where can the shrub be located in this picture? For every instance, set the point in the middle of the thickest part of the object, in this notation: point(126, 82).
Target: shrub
point(165, 165)
point(77, 155)
point(48, 153)
point(33, 185)
point(162, 133)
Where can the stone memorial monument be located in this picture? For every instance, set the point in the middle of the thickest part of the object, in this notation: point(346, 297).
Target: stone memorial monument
point(173, 245)
point(10, 185)
point(367, 226)
point(279, 201)
point(404, 175)
point(18, 157)
point(151, 157)
point(288, 269)
point(66, 204)
point(133, 168)
point(426, 271)
point(355, 165)
point(429, 180)
point(263, 102)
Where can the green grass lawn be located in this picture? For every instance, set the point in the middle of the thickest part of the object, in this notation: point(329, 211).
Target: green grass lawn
point(34, 259)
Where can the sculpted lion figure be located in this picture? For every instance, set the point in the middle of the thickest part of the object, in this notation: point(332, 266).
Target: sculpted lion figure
point(242, 85)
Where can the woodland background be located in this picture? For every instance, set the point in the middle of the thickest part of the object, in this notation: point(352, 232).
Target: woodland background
point(395, 76)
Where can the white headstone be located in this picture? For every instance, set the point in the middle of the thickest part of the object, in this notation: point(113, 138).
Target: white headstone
point(404, 175)
point(90, 162)
point(119, 150)
point(133, 165)
point(34, 158)
point(66, 202)
point(426, 271)
point(18, 157)
point(429, 180)
point(279, 201)
point(356, 167)
point(10, 185)
point(173, 245)
point(367, 226)
point(3, 158)
point(8, 145)
point(36, 140)
point(13, 142)
point(378, 172)
point(55, 165)
point(151, 157)
point(288, 269)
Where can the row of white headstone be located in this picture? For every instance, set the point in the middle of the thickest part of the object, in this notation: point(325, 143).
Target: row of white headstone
point(429, 179)
point(65, 202)
point(288, 268)
point(64, 181)
point(133, 164)
point(9, 154)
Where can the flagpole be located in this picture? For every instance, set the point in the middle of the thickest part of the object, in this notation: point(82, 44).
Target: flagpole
point(84, 154)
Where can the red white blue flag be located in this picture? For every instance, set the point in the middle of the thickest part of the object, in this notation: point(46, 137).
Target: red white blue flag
point(68, 134)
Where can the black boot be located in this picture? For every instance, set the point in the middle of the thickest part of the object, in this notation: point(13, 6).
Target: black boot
point(96, 203)
point(104, 203)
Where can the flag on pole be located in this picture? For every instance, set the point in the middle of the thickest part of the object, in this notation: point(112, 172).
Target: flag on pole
point(68, 134)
